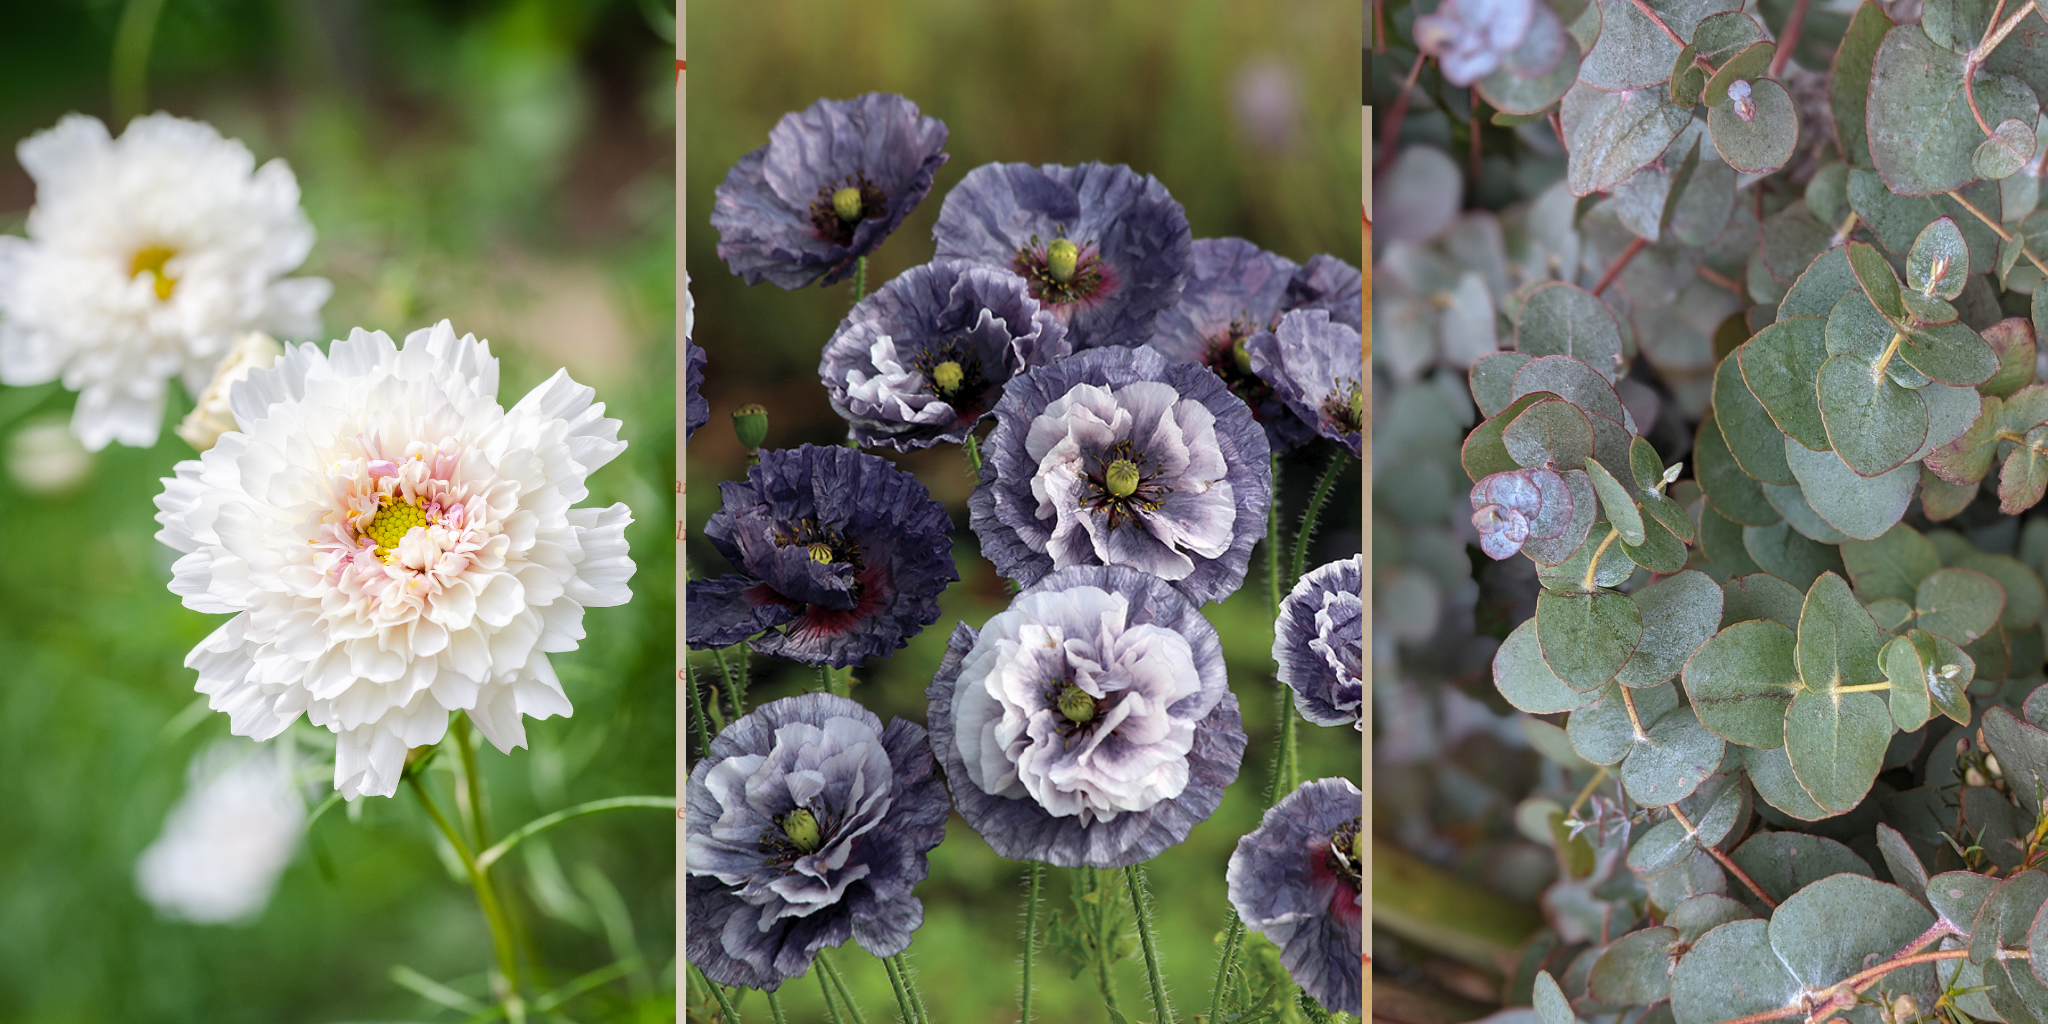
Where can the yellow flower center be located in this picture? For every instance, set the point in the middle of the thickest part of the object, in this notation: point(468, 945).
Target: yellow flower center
point(1121, 478)
point(801, 826)
point(947, 376)
point(821, 553)
point(394, 519)
point(846, 203)
point(151, 261)
point(1061, 258)
point(1241, 356)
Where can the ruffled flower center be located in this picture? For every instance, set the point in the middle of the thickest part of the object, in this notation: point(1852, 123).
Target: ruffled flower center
point(1225, 356)
point(402, 534)
point(794, 835)
point(1125, 486)
point(1062, 273)
point(824, 545)
point(151, 261)
point(1345, 406)
point(840, 207)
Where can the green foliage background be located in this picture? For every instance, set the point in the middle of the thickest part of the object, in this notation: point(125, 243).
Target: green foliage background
point(504, 164)
point(1039, 81)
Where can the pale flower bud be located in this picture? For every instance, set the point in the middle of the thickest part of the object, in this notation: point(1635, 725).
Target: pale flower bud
point(210, 416)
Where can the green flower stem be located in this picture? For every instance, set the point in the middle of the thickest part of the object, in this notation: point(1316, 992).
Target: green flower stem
point(1225, 963)
point(505, 845)
point(907, 998)
point(132, 39)
point(697, 711)
point(1315, 511)
point(839, 983)
point(486, 898)
point(735, 680)
point(1284, 759)
point(725, 1007)
point(1273, 554)
point(973, 454)
point(473, 784)
point(1134, 878)
point(775, 1007)
point(1036, 872)
point(1091, 884)
point(831, 1008)
point(860, 279)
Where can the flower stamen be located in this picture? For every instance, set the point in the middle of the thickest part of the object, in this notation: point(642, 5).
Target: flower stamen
point(395, 518)
point(151, 261)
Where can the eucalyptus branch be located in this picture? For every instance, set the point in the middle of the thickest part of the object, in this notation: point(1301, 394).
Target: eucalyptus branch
point(1390, 129)
point(1790, 39)
point(1818, 1007)
point(1726, 862)
point(1659, 22)
point(1635, 245)
point(1999, 229)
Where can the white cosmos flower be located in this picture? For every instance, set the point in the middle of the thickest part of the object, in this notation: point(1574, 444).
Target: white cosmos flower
point(145, 256)
point(394, 546)
point(228, 839)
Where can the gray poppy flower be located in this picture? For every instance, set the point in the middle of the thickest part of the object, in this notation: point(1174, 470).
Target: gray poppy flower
point(925, 357)
point(1331, 285)
point(697, 409)
point(1103, 248)
point(1117, 457)
point(1236, 290)
point(1317, 366)
point(830, 185)
point(1091, 723)
point(806, 824)
point(1296, 880)
point(1319, 643)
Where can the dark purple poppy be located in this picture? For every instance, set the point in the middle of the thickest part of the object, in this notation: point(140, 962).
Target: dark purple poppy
point(1331, 285)
point(1235, 290)
point(807, 824)
point(924, 358)
point(1103, 248)
point(841, 558)
point(1317, 366)
point(1296, 880)
point(698, 409)
point(1319, 643)
point(1118, 457)
point(830, 185)
point(1091, 723)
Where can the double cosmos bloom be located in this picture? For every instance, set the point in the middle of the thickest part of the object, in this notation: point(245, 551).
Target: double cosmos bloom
point(394, 545)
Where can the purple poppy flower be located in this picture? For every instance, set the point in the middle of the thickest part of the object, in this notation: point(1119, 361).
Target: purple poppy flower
point(830, 185)
point(924, 358)
point(1091, 723)
point(1295, 880)
point(842, 551)
point(699, 410)
point(1316, 366)
point(1319, 643)
point(1331, 285)
point(1117, 457)
point(1236, 290)
point(807, 824)
point(1101, 247)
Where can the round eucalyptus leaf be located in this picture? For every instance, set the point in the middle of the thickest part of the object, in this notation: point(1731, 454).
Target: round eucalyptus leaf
point(1570, 574)
point(2022, 752)
point(1722, 36)
point(1484, 452)
point(1660, 848)
point(1701, 914)
point(1718, 807)
point(1679, 613)
point(1875, 276)
point(1493, 380)
point(1923, 138)
point(1906, 667)
point(1550, 550)
point(1616, 502)
point(1522, 676)
point(1635, 970)
point(1514, 94)
point(1872, 423)
point(1575, 382)
point(1552, 433)
point(1761, 596)
point(1585, 638)
point(1890, 613)
point(1838, 644)
point(1746, 428)
point(1632, 51)
point(1820, 285)
point(1827, 192)
point(1783, 863)
point(1770, 772)
point(1892, 565)
point(1731, 491)
point(1958, 896)
point(1939, 261)
point(1951, 353)
point(1742, 680)
point(1928, 311)
point(1968, 458)
point(1730, 972)
point(1669, 514)
point(1565, 320)
point(1785, 553)
point(1610, 135)
point(1668, 766)
point(1688, 79)
point(1961, 604)
point(2013, 340)
point(1860, 506)
point(2024, 477)
point(1660, 552)
point(1551, 1005)
point(1792, 240)
point(2009, 148)
point(1757, 133)
point(1721, 543)
point(1836, 743)
point(2008, 915)
point(1957, 24)
point(1781, 366)
point(1950, 412)
point(1942, 500)
point(1752, 62)
point(1601, 731)
point(2025, 599)
point(1904, 864)
point(1832, 928)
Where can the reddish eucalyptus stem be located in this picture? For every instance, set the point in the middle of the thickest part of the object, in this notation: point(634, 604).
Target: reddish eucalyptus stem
point(1390, 129)
point(1842, 995)
point(1726, 863)
point(1790, 39)
point(1659, 22)
point(1475, 132)
point(1635, 245)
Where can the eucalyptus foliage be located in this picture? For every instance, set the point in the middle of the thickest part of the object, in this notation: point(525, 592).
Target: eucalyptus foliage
point(1742, 393)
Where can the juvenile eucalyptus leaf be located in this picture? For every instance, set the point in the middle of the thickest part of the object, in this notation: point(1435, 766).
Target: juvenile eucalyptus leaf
point(1770, 771)
point(1792, 241)
point(1890, 613)
point(1742, 680)
point(1721, 543)
point(2012, 339)
point(1892, 565)
point(1601, 731)
point(1731, 491)
point(1939, 261)
point(1791, 503)
point(1856, 328)
point(1660, 848)
point(1661, 551)
point(1922, 135)
point(1670, 515)
point(1907, 663)
point(1552, 433)
point(1636, 968)
point(1585, 638)
point(1837, 643)
point(1958, 896)
point(2022, 752)
point(1730, 972)
point(1761, 596)
point(1551, 1005)
point(1968, 458)
point(1862, 507)
point(2008, 149)
point(1875, 276)
point(1897, 220)
point(1562, 319)
point(2025, 599)
point(1872, 422)
point(1546, 551)
point(1678, 755)
point(1906, 870)
point(1688, 79)
point(1720, 37)
point(1513, 94)
point(1570, 575)
point(1849, 80)
point(1752, 438)
point(2008, 915)
point(2024, 477)
point(1616, 503)
point(1610, 135)
point(1678, 614)
point(1762, 141)
point(1784, 553)
point(1781, 366)
point(1485, 450)
point(1942, 500)
point(1525, 679)
point(1827, 192)
point(1575, 382)
point(1951, 353)
point(1834, 928)
point(1928, 311)
point(1836, 743)
point(1783, 863)
point(1822, 284)
point(1961, 604)
point(1950, 413)
point(1956, 24)
point(1701, 914)
point(1751, 62)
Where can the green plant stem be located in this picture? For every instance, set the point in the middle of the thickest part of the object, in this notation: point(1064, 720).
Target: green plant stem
point(973, 454)
point(1283, 760)
point(735, 682)
point(902, 997)
point(725, 1007)
point(1273, 554)
point(825, 987)
point(1034, 873)
point(697, 711)
point(546, 821)
point(1228, 960)
point(907, 997)
point(1092, 884)
point(775, 1007)
point(132, 39)
point(486, 898)
point(473, 784)
point(860, 279)
point(1134, 878)
point(1315, 511)
point(845, 994)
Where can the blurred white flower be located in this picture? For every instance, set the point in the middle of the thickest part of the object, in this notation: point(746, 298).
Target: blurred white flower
point(145, 256)
point(1469, 38)
point(210, 416)
point(228, 839)
point(396, 546)
point(45, 459)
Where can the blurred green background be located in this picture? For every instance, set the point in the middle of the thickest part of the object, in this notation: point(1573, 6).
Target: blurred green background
point(1244, 112)
point(508, 165)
